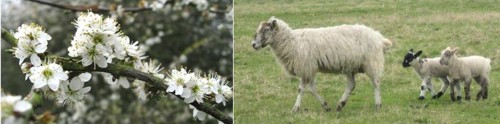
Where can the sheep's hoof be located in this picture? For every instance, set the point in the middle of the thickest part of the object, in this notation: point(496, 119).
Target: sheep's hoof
point(339, 108)
point(295, 109)
point(421, 98)
point(439, 94)
point(459, 98)
point(434, 97)
point(467, 98)
point(378, 106)
point(328, 109)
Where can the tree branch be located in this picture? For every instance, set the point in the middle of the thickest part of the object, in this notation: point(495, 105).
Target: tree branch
point(94, 8)
point(122, 70)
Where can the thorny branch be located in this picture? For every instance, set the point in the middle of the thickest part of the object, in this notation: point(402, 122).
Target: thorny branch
point(122, 70)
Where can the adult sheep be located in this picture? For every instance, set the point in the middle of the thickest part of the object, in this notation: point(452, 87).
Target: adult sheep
point(345, 49)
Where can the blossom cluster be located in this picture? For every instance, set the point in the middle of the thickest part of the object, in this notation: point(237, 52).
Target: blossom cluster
point(46, 76)
point(193, 88)
point(31, 41)
point(14, 109)
point(98, 41)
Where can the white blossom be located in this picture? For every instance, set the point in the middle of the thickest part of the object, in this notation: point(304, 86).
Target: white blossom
point(31, 40)
point(51, 74)
point(22, 106)
point(157, 4)
point(200, 115)
point(195, 91)
point(121, 81)
point(178, 79)
point(74, 90)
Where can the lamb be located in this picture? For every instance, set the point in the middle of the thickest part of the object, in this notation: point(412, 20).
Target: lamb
point(345, 49)
point(426, 69)
point(465, 69)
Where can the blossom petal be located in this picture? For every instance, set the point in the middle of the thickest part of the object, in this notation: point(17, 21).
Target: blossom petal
point(84, 90)
point(85, 76)
point(40, 48)
point(61, 75)
point(53, 84)
point(22, 106)
point(101, 61)
point(75, 84)
point(124, 82)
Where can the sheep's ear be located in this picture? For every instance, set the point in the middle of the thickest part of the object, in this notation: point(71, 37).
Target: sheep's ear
point(418, 54)
point(454, 50)
point(411, 50)
point(273, 24)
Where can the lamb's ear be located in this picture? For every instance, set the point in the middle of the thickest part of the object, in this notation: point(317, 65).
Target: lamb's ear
point(411, 50)
point(454, 50)
point(418, 54)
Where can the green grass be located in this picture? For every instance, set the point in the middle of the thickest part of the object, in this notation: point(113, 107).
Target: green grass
point(264, 93)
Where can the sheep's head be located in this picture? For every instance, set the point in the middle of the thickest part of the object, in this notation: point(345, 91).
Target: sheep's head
point(447, 54)
point(410, 57)
point(264, 33)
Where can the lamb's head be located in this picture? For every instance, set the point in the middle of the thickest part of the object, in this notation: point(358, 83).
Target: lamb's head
point(263, 35)
point(448, 54)
point(411, 58)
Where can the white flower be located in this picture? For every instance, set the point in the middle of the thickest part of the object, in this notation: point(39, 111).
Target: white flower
point(139, 90)
point(151, 67)
point(51, 74)
point(122, 81)
point(22, 106)
point(31, 40)
point(195, 91)
point(95, 54)
point(25, 68)
point(198, 114)
point(75, 92)
point(177, 80)
point(8, 99)
point(157, 4)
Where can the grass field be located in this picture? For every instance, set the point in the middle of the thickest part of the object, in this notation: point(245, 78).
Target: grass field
point(265, 94)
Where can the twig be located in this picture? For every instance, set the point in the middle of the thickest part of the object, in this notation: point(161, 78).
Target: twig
point(122, 70)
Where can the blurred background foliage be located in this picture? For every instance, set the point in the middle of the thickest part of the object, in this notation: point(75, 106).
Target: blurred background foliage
point(200, 40)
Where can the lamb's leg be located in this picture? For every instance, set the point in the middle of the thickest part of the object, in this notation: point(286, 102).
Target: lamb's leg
point(445, 85)
point(314, 92)
point(425, 81)
point(457, 90)
point(467, 88)
point(350, 86)
point(483, 82)
point(453, 89)
point(302, 84)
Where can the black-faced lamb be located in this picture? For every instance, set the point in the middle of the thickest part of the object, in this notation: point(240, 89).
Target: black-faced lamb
point(426, 69)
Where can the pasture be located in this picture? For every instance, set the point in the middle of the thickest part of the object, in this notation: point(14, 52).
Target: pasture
point(264, 93)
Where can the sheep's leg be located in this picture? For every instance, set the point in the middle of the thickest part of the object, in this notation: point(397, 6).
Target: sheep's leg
point(484, 85)
point(302, 84)
point(430, 88)
point(454, 84)
point(445, 85)
point(425, 81)
point(483, 82)
point(376, 87)
point(314, 92)
point(457, 90)
point(467, 88)
point(350, 86)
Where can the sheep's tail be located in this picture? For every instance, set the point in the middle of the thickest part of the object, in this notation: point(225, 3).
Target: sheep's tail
point(387, 44)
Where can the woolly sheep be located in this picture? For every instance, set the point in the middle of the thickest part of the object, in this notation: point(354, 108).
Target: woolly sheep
point(427, 68)
point(346, 49)
point(465, 69)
